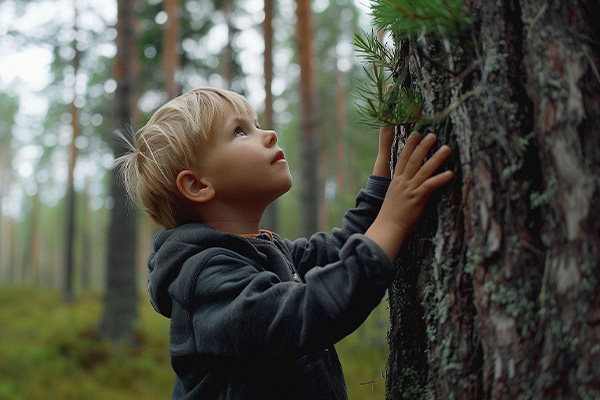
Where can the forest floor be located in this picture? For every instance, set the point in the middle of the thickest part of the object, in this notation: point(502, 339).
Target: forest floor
point(50, 350)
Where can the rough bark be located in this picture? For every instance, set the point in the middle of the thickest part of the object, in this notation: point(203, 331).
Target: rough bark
point(497, 294)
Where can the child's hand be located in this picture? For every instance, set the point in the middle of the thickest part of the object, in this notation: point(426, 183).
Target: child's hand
point(412, 184)
point(382, 163)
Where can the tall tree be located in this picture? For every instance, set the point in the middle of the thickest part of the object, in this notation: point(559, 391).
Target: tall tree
point(9, 105)
point(309, 121)
point(227, 54)
point(271, 218)
point(120, 302)
point(171, 41)
point(69, 269)
point(498, 292)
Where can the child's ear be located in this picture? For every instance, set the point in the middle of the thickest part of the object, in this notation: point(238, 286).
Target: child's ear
point(193, 188)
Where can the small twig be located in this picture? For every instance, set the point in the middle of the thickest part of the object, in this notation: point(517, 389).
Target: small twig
point(594, 69)
point(372, 383)
point(538, 15)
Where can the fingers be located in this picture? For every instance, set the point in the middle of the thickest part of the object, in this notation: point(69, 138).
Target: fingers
point(386, 137)
point(386, 131)
point(433, 163)
point(409, 147)
point(437, 181)
point(410, 162)
point(418, 155)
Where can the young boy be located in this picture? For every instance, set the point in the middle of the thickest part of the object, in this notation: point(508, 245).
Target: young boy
point(254, 316)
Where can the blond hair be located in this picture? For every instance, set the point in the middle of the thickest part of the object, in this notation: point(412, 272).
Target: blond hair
point(173, 140)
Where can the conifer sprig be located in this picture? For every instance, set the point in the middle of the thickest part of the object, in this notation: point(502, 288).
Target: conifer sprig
point(381, 99)
point(403, 19)
point(409, 17)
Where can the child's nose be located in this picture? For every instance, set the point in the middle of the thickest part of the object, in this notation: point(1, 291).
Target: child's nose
point(270, 138)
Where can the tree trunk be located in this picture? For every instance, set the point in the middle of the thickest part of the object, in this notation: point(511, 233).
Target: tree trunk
point(270, 218)
point(497, 294)
point(120, 303)
point(227, 54)
point(309, 149)
point(68, 294)
point(86, 239)
point(9, 106)
point(171, 39)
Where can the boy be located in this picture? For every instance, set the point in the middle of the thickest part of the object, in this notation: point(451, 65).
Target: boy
point(254, 316)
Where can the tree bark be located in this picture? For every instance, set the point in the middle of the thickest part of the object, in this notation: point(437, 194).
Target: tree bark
point(497, 294)
point(120, 303)
point(309, 148)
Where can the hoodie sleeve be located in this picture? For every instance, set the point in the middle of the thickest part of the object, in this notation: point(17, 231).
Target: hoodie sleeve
point(243, 313)
point(322, 249)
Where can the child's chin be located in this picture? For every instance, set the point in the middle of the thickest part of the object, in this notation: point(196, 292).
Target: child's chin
point(285, 189)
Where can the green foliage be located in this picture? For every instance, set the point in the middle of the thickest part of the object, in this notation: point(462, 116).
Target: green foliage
point(364, 354)
point(50, 350)
point(384, 97)
point(410, 17)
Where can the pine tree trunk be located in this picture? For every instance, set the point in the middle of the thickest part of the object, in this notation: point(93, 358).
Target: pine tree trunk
point(120, 303)
point(497, 294)
point(309, 148)
point(170, 54)
point(270, 218)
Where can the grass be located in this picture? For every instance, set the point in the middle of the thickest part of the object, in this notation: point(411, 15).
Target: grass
point(50, 350)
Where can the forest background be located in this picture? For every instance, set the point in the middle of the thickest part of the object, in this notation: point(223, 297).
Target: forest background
point(58, 93)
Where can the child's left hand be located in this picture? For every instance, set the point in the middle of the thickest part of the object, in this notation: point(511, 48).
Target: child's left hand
point(382, 162)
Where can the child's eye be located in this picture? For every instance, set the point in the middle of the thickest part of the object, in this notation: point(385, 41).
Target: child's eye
point(239, 133)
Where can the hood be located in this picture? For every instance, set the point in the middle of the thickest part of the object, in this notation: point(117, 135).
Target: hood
point(174, 249)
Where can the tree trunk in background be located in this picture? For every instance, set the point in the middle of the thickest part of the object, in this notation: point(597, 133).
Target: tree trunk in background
point(341, 139)
point(497, 294)
point(9, 106)
point(270, 219)
point(171, 40)
point(120, 303)
point(68, 292)
point(226, 55)
point(309, 149)
point(86, 239)
point(30, 262)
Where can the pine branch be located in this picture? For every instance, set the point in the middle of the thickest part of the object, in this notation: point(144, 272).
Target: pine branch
point(409, 17)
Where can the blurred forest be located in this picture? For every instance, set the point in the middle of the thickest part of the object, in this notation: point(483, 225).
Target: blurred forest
point(60, 95)
point(57, 126)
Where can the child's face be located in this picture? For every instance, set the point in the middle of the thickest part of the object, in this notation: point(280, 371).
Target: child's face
point(245, 164)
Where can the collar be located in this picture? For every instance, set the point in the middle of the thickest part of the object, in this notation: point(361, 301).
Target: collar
point(264, 234)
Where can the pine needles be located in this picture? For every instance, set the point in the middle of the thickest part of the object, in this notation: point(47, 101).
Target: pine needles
point(410, 17)
point(382, 100)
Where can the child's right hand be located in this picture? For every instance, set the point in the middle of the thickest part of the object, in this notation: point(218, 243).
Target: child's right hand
point(412, 184)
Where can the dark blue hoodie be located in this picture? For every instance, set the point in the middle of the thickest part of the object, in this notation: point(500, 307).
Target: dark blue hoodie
point(253, 318)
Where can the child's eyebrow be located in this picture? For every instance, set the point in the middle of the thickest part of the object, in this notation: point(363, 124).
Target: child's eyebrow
point(240, 119)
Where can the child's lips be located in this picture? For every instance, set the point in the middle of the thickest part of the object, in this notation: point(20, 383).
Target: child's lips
point(279, 156)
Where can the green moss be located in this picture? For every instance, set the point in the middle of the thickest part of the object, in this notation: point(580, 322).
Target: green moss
point(43, 350)
point(537, 199)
